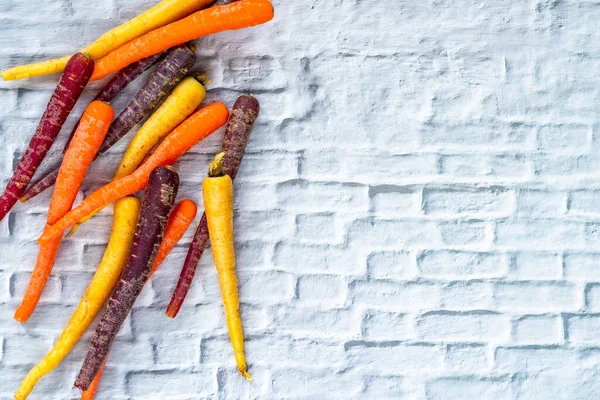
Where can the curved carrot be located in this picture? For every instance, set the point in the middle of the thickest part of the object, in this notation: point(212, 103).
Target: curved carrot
point(90, 393)
point(161, 14)
point(106, 276)
point(241, 14)
point(79, 156)
point(217, 190)
point(198, 126)
point(179, 222)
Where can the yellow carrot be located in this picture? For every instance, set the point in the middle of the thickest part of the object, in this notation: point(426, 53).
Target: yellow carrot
point(217, 191)
point(184, 99)
point(163, 13)
point(114, 260)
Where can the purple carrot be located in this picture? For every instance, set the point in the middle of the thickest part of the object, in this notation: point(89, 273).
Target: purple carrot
point(157, 205)
point(160, 83)
point(120, 81)
point(243, 116)
point(77, 73)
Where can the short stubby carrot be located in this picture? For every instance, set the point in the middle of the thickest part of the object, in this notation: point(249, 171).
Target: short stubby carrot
point(217, 191)
point(198, 126)
point(179, 222)
point(86, 142)
point(106, 276)
point(237, 15)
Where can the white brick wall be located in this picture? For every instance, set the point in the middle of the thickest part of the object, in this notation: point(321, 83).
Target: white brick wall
point(417, 212)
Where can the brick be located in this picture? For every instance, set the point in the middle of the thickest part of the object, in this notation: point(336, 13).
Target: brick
point(391, 265)
point(409, 296)
point(326, 291)
point(460, 233)
point(306, 322)
point(564, 137)
point(467, 357)
point(258, 73)
point(231, 386)
point(552, 165)
point(380, 233)
point(564, 384)
point(583, 329)
point(176, 350)
point(533, 266)
point(471, 388)
point(395, 358)
point(543, 204)
point(270, 287)
point(477, 326)
point(317, 228)
point(316, 259)
point(381, 326)
point(584, 202)
point(582, 266)
point(206, 318)
point(384, 387)
point(539, 234)
point(592, 297)
point(313, 382)
point(538, 329)
point(18, 349)
point(476, 201)
point(466, 295)
point(303, 196)
point(197, 383)
point(497, 166)
point(263, 225)
point(460, 263)
point(536, 297)
point(397, 200)
point(533, 359)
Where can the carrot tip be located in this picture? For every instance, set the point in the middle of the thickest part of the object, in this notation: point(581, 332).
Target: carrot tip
point(246, 375)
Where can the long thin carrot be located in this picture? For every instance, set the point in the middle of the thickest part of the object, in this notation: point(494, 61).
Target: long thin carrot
point(162, 14)
point(198, 126)
point(179, 222)
point(184, 99)
point(217, 191)
point(86, 142)
point(90, 393)
point(106, 276)
point(238, 15)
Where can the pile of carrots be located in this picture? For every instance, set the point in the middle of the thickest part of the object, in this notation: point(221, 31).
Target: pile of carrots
point(144, 232)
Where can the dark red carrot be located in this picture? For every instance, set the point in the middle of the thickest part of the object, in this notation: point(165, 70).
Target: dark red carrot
point(160, 83)
point(77, 74)
point(243, 116)
point(157, 205)
point(119, 82)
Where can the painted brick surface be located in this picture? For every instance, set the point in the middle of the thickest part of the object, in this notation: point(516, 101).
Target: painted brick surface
point(417, 212)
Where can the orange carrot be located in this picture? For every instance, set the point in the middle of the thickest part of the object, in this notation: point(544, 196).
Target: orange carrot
point(198, 126)
point(179, 221)
point(217, 191)
point(86, 142)
point(91, 391)
point(236, 15)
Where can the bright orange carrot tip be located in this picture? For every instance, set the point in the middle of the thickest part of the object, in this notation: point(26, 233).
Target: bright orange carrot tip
point(179, 222)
